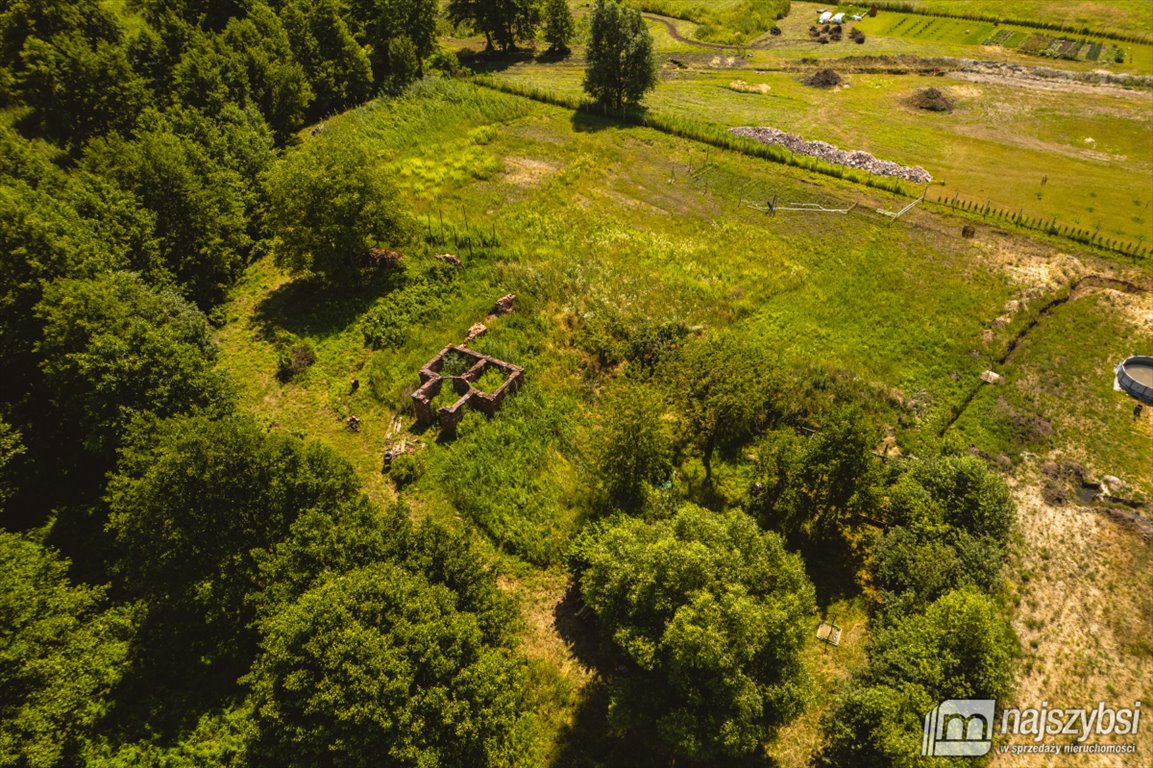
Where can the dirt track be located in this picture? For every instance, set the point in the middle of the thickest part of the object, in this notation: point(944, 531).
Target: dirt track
point(764, 41)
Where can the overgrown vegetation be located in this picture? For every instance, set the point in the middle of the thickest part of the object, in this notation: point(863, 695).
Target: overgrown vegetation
point(211, 322)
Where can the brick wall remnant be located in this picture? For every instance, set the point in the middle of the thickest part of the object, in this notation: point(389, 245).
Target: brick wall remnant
point(504, 304)
point(433, 382)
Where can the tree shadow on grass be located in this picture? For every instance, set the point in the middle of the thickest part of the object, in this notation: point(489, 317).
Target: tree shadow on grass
point(489, 62)
point(590, 121)
point(577, 625)
point(311, 308)
point(832, 568)
point(551, 56)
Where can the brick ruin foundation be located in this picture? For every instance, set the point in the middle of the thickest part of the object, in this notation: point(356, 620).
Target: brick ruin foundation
point(433, 380)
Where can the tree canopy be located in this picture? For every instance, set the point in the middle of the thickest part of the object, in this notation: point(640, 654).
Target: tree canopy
point(114, 349)
point(328, 204)
point(62, 649)
point(726, 384)
point(559, 28)
point(503, 22)
point(378, 664)
point(707, 613)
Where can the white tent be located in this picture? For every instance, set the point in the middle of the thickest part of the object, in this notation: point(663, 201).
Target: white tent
point(839, 18)
point(824, 17)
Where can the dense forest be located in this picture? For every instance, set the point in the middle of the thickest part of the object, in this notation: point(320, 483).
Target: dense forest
point(181, 586)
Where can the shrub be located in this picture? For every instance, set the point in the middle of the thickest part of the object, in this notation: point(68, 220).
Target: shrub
point(295, 360)
point(387, 322)
point(404, 469)
point(444, 62)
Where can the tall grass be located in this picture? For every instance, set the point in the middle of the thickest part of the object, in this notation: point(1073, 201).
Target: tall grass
point(432, 108)
point(500, 473)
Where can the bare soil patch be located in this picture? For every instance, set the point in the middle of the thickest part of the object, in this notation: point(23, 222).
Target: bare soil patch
point(526, 171)
point(1082, 581)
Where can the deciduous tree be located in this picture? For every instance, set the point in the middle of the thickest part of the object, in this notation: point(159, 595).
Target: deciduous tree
point(195, 504)
point(61, 652)
point(621, 68)
point(114, 349)
point(329, 204)
point(726, 384)
point(379, 666)
point(503, 22)
point(559, 28)
point(707, 613)
point(631, 445)
point(338, 68)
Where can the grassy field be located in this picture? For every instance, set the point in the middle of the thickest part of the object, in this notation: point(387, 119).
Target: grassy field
point(1086, 163)
point(579, 217)
point(894, 33)
point(1032, 408)
point(936, 31)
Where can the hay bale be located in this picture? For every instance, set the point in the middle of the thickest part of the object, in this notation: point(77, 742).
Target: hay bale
point(823, 78)
point(931, 100)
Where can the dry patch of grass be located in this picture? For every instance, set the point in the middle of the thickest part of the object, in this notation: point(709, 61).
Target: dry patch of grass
point(741, 86)
point(526, 171)
point(1083, 585)
point(831, 670)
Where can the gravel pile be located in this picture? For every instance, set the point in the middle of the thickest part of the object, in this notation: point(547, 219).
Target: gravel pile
point(831, 154)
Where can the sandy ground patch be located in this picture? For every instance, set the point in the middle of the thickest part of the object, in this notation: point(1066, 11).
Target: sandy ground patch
point(526, 171)
point(1083, 584)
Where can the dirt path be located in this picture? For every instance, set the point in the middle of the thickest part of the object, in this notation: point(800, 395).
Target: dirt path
point(762, 42)
point(675, 33)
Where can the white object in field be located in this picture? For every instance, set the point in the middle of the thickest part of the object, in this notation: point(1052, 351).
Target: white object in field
point(824, 17)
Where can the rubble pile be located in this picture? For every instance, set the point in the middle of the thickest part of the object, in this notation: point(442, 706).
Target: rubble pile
point(830, 154)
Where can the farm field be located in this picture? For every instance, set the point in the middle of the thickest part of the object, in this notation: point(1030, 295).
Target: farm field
point(895, 33)
point(1040, 47)
point(1107, 15)
point(724, 21)
point(593, 218)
